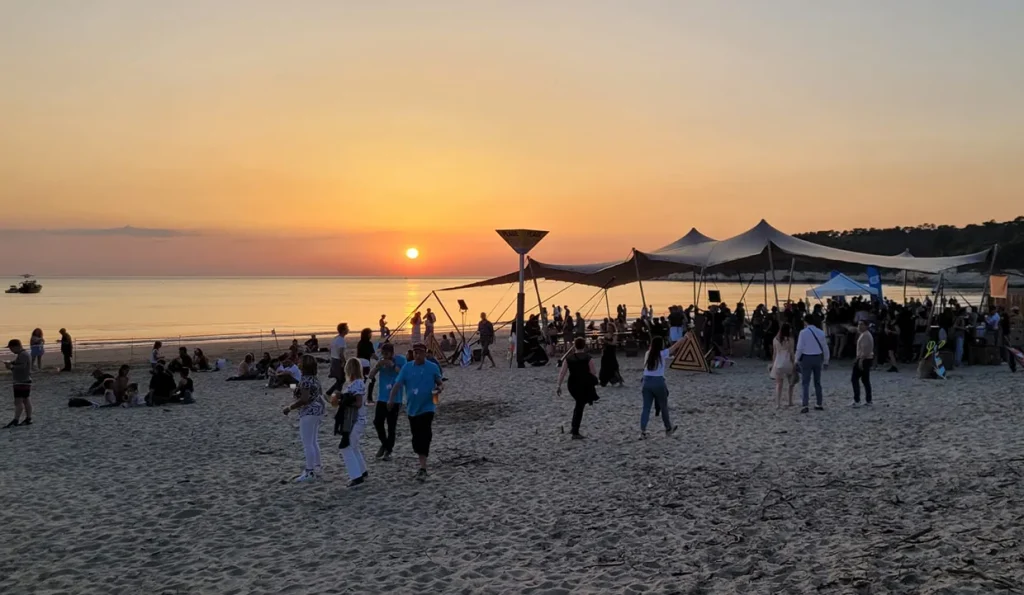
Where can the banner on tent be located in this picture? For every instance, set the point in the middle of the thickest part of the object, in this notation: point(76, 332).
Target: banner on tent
point(875, 281)
point(690, 357)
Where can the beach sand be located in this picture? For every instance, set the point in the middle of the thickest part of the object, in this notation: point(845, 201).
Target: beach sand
point(920, 494)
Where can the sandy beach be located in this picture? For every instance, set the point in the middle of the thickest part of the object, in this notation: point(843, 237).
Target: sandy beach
point(919, 494)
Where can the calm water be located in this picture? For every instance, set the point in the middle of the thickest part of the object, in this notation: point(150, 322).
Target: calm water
point(120, 309)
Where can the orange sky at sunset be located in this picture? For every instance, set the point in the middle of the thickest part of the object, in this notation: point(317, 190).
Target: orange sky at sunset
point(328, 137)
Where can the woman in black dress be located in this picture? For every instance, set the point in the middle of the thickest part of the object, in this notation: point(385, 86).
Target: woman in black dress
point(609, 363)
point(582, 380)
point(364, 353)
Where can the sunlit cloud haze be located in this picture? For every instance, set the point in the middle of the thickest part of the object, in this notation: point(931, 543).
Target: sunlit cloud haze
point(325, 137)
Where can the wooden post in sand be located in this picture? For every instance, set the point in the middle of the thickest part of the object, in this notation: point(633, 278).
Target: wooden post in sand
point(636, 263)
point(792, 266)
point(771, 264)
point(765, 288)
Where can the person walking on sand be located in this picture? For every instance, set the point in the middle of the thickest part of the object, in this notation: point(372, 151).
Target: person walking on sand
point(310, 403)
point(352, 409)
point(67, 347)
point(421, 380)
point(486, 331)
point(654, 389)
point(37, 346)
point(582, 380)
point(337, 372)
point(783, 363)
point(385, 417)
point(812, 355)
point(21, 370)
point(862, 365)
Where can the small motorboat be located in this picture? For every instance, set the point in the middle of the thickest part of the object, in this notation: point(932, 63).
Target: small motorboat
point(27, 285)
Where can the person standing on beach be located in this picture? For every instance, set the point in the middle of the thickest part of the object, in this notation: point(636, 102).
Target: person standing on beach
point(154, 356)
point(310, 403)
point(417, 322)
point(21, 370)
point(654, 388)
point(385, 332)
point(429, 320)
point(385, 417)
point(352, 407)
point(783, 363)
point(486, 331)
point(812, 355)
point(862, 365)
point(38, 347)
point(421, 380)
point(67, 348)
point(337, 371)
point(582, 380)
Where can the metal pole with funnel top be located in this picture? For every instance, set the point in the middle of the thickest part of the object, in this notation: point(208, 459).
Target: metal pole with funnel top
point(522, 241)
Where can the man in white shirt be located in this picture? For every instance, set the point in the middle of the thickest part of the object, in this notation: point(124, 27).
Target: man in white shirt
point(812, 355)
point(337, 371)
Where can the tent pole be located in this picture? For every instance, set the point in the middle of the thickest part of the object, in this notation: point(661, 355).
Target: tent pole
point(636, 263)
point(409, 317)
point(765, 288)
point(988, 279)
point(931, 315)
point(747, 287)
point(699, 287)
point(450, 319)
point(775, 285)
point(540, 307)
point(904, 287)
point(792, 266)
point(607, 306)
point(694, 302)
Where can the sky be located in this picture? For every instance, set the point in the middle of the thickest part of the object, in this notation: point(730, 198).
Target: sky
point(326, 137)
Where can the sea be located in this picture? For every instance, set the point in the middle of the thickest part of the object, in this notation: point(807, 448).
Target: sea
point(103, 312)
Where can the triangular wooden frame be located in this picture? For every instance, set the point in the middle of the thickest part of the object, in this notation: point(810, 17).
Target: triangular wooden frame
point(690, 357)
point(434, 349)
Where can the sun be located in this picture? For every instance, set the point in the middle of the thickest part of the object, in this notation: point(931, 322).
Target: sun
point(412, 253)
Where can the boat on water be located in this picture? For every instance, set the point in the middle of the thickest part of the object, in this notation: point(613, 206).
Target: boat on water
point(27, 285)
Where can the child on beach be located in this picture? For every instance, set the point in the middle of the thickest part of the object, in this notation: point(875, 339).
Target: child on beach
point(37, 346)
point(21, 369)
point(310, 403)
point(352, 411)
point(109, 398)
point(185, 387)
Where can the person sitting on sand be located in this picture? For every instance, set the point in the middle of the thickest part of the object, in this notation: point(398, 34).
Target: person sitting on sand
point(184, 360)
point(96, 388)
point(446, 345)
point(122, 384)
point(109, 398)
point(154, 356)
point(161, 386)
point(287, 374)
point(202, 363)
point(312, 344)
point(247, 369)
point(264, 366)
point(185, 388)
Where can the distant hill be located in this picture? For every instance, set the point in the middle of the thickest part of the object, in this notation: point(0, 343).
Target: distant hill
point(932, 240)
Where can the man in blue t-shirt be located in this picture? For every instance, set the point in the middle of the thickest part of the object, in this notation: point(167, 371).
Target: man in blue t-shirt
point(421, 380)
point(385, 417)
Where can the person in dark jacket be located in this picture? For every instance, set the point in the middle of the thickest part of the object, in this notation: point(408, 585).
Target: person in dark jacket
point(67, 348)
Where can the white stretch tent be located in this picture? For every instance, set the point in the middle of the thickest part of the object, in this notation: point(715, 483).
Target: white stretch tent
point(840, 285)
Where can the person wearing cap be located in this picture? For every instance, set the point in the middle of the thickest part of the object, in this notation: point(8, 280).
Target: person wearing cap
point(421, 380)
point(21, 369)
point(385, 416)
